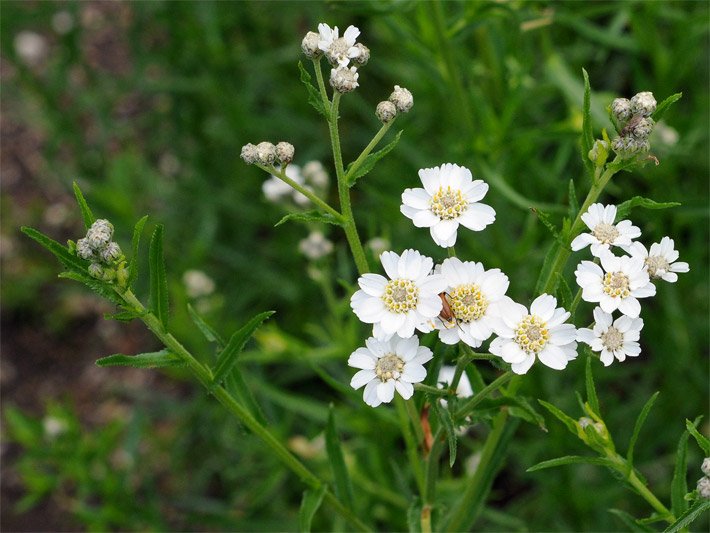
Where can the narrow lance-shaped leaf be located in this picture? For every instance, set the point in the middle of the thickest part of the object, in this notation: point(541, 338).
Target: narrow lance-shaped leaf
point(679, 484)
point(100, 287)
point(310, 216)
point(638, 201)
point(228, 356)
point(564, 292)
point(664, 105)
point(702, 441)
point(637, 427)
point(629, 521)
point(158, 277)
point(135, 243)
point(444, 416)
point(587, 132)
point(314, 96)
point(208, 331)
point(163, 358)
point(236, 384)
point(309, 505)
point(591, 389)
point(369, 162)
point(568, 421)
point(689, 516)
point(545, 219)
point(64, 256)
point(341, 478)
point(86, 213)
point(572, 200)
point(572, 460)
point(546, 266)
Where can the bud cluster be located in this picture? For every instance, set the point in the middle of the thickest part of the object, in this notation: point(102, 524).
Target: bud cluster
point(703, 486)
point(105, 255)
point(266, 153)
point(400, 101)
point(635, 123)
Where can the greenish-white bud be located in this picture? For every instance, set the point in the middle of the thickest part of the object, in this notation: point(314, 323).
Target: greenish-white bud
point(402, 99)
point(285, 152)
point(344, 79)
point(599, 152)
point(629, 146)
point(621, 109)
point(266, 153)
point(704, 487)
point(640, 127)
point(706, 466)
point(643, 104)
point(386, 111)
point(96, 271)
point(84, 249)
point(309, 45)
point(111, 253)
point(99, 234)
point(250, 154)
point(364, 55)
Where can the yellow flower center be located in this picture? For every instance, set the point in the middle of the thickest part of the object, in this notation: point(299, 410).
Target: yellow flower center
point(448, 203)
point(613, 339)
point(616, 284)
point(389, 367)
point(606, 233)
point(467, 302)
point(532, 334)
point(656, 263)
point(401, 295)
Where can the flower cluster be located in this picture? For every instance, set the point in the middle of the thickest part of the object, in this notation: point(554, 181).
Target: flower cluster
point(340, 52)
point(633, 119)
point(618, 282)
point(104, 254)
point(266, 153)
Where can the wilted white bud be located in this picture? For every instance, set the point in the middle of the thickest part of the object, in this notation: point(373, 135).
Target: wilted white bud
point(284, 152)
point(314, 173)
point(309, 45)
point(363, 56)
point(197, 283)
point(266, 153)
point(385, 111)
point(621, 109)
point(111, 253)
point(250, 154)
point(96, 271)
point(639, 127)
point(402, 99)
point(706, 466)
point(643, 103)
point(99, 234)
point(629, 146)
point(84, 250)
point(344, 79)
point(315, 246)
point(704, 487)
point(586, 422)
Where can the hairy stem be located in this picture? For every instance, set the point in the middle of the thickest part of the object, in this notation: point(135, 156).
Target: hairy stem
point(376, 139)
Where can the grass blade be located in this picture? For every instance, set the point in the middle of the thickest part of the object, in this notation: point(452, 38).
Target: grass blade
point(309, 505)
point(341, 478)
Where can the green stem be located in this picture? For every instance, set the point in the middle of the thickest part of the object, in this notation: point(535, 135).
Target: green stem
point(321, 83)
point(376, 139)
point(344, 192)
point(647, 495)
point(410, 442)
point(204, 376)
point(477, 398)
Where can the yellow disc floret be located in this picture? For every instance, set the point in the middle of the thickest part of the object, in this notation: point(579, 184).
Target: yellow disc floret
point(605, 233)
point(532, 334)
point(401, 295)
point(389, 367)
point(616, 284)
point(448, 203)
point(467, 302)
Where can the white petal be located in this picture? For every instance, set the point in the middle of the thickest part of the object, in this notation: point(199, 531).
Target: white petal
point(405, 389)
point(406, 348)
point(391, 322)
point(445, 229)
point(362, 358)
point(429, 306)
point(543, 306)
point(582, 240)
point(523, 366)
point(609, 214)
point(512, 353)
point(390, 260)
point(563, 334)
point(630, 306)
point(425, 219)
point(477, 216)
point(496, 347)
point(475, 190)
point(370, 393)
point(450, 336)
point(351, 34)
point(586, 335)
point(553, 356)
point(424, 355)
point(433, 284)
point(367, 308)
point(680, 266)
point(602, 318)
point(609, 304)
point(606, 357)
point(377, 347)
point(385, 391)
point(430, 179)
point(372, 284)
point(413, 372)
point(406, 329)
point(416, 198)
point(361, 378)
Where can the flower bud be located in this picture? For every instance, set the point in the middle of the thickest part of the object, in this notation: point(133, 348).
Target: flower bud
point(363, 56)
point(599, 152)
point(309, 45)
point(643, 104)
point(111, 253)
point(344, 79)
point(250, 154)
point(639, 127)
point(628, 146)
point(402, 99)
point(284, 152)
point(706, 466)
point(84, 250)
point(96, 271)
point(99, 234)
point(621, 109)
point(265, 153)
point(386, 111)
point(704, 488)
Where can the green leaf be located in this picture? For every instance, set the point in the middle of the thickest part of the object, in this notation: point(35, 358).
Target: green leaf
point(638, 201)
point(208, 331)
point(122, 316)
point(637, 427)
point(546, 266)
point(228, 356)
point(69, 260)
point(572, 200)
point(689, 516)
point(310, 216)
point(702, 441)
point(236, 383)
point(369, 162)
point(341, 478)
point(629, 521)
point(163, 358)
point(314, 96)
point(564, 292)
point(663, 106)
point(521, 408)
point(592, 398)
point(545, 219)
point(133, 265)
point(587, 132)
point(86, 213)
point(158, 278)
point(679, 484)
point(447, 422)
point(414, 516)
point(100, 287)
point(573, 460)
point(568, 421)
point(309, 505)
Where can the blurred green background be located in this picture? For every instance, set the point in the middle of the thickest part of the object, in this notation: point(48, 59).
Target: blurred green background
point(147, 104)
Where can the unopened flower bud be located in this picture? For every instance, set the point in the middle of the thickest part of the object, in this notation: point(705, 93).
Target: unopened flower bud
point(84, 250)
point(704, 487)
point(599, 152)
point(621, 109)
point(643, 104)
point(265, 153)
point(111, 253)
point(96, 271)
point(706, 466)
point(284, 152)
point(639, 127)
point(386, 111)
point(628, 146)
point(99, 234)
point(250, 154)
point(344, 79)
point(402, 99)
point(363, 57)
point(309, 45)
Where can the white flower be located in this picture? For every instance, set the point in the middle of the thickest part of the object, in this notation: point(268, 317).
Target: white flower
point(30, 47)
point(276, 190)
point(541, 333)
point(338, 50)
point(197, 284)
point(446, 377)
point(389, 365)
point(619, 339)
point(315, 246)
point(409, 298)
point(449, 198)
point(473, 295)
point(660, 261)
point(618, 285)
point(600, 219)
point(315, 173)
point(344, 79)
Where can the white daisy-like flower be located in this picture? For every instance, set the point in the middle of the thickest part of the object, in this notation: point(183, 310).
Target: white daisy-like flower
point(600, 219)
point(541, 334)
point(450, 197)
point(618, 339)
point(387, 366)
point(660, 261)
point(277, 190)
point(338, 50)
point(616, 284)
point(409, 298)
point(472, 296)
